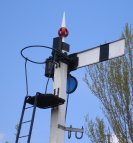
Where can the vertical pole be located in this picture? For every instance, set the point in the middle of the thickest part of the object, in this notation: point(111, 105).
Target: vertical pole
point(60, 80)
point(58, 114)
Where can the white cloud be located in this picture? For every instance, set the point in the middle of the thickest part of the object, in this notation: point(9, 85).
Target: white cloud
point(1, 136)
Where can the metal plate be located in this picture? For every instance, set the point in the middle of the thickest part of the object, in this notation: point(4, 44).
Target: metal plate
point(45, 100)
point(101, 53)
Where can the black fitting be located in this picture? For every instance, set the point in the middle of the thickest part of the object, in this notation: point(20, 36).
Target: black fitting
point(59, 45)
point(59, 56)
point(73, 62)
point(49, 68)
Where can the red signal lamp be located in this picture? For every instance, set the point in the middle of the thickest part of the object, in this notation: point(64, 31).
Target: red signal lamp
point(63, 32)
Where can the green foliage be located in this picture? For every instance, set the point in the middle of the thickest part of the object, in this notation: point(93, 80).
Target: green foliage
point(97, 132)
point(112, 83)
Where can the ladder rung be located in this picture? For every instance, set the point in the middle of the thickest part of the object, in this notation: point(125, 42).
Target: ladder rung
point(29, 107)
point(26, 121)
point(23, 136)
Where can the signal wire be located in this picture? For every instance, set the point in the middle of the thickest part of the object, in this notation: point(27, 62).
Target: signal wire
point(67, 105)
point(67, 99)
point(26, 77)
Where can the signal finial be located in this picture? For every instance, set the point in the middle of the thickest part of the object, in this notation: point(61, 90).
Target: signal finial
point(63, 24)
point(63, 32)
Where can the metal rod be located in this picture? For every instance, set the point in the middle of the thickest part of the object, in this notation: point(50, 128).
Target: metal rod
point(24, 136)
point(29, 107)
point(26, 77)
point(26, 121)
point(70, 129)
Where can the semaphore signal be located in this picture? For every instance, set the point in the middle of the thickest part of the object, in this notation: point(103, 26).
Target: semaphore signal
point(58, 67)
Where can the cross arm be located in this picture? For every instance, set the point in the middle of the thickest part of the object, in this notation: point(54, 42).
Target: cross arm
point(100, 53)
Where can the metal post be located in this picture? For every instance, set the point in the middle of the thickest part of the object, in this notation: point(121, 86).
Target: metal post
point(58, 113)
point(60, 80)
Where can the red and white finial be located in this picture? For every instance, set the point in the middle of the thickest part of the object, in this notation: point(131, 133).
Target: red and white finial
point(63, 32)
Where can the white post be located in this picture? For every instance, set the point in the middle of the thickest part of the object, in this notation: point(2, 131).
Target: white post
point(58, 113)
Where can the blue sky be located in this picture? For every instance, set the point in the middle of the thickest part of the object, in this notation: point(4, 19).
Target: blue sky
point(29, 22)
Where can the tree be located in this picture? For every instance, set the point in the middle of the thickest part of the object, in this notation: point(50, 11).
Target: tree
point(112, 83)
point(96, 131)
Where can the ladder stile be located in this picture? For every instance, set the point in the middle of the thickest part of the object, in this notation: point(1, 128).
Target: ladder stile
point(32, 121)
point(21, 119)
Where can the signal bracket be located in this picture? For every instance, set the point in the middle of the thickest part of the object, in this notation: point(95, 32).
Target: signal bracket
point(70, 129)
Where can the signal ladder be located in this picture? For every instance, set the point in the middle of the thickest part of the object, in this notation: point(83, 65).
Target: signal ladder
point(28, 121)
